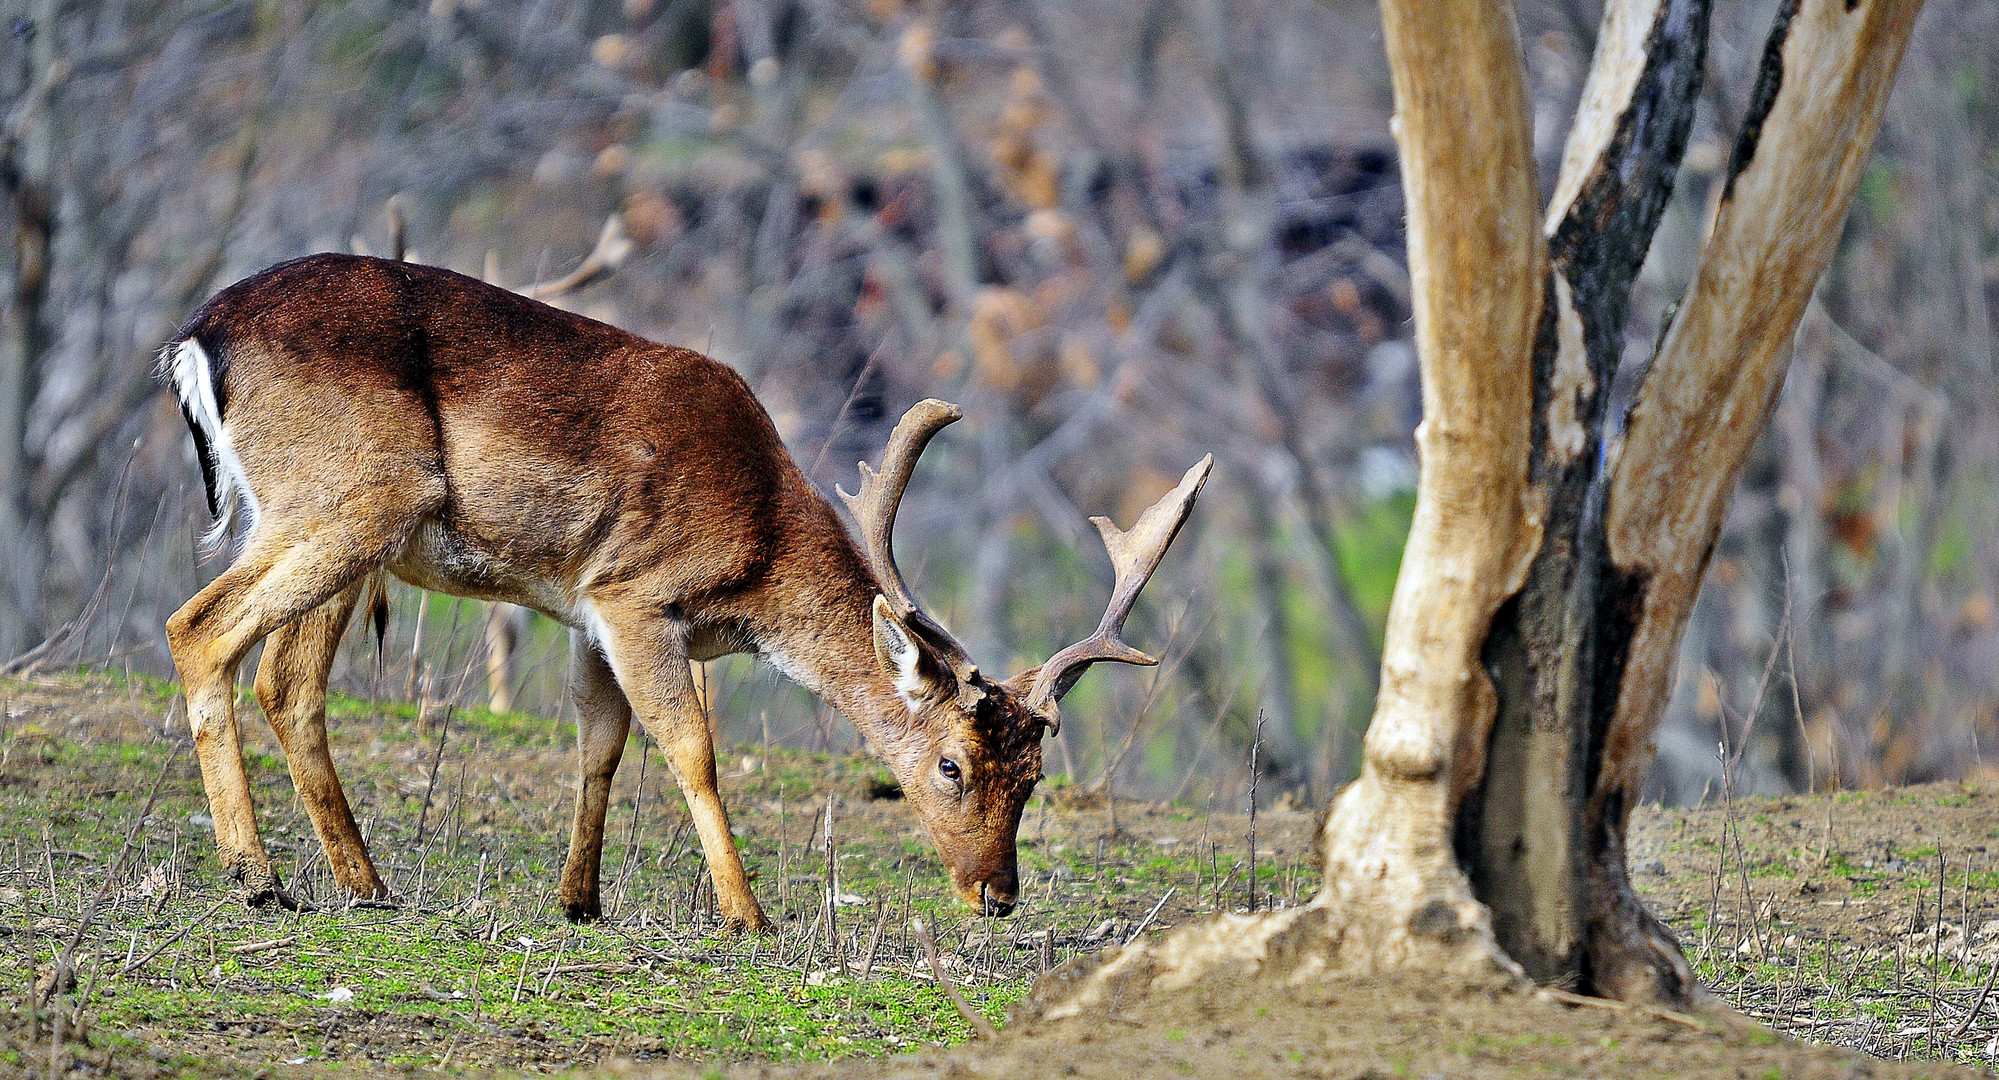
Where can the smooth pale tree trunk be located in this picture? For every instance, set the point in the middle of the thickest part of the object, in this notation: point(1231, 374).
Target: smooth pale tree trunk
point(1554, 556)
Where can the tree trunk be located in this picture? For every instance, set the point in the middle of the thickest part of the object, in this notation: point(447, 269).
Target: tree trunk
point(26, 164)
point(1553, 650)
point(1552, 562)
point(1801, 488)
point(1803, 146)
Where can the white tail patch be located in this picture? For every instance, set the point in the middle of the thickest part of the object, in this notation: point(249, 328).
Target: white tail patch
point(188, 365)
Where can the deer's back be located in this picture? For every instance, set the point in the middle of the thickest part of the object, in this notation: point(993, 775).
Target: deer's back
point(563, 448)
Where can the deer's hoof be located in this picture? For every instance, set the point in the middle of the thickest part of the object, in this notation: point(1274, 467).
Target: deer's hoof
point(272, 894)
point(259, 887)
point(754, 923)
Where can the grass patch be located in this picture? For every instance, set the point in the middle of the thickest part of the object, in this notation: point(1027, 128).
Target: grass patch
point(475, 968)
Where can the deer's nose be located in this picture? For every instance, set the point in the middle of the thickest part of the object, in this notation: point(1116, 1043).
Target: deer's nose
point(994, 902)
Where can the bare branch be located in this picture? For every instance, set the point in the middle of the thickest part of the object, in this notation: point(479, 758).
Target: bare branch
point(1714, 383)
point(957, 234)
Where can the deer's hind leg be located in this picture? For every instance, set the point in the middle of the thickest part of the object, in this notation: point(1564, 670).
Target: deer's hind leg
point(603, 722)
point(291, 686)
point(285, 572)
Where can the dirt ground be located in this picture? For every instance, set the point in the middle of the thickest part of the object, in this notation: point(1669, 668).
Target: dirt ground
point(1860, 917)
point(1374, 1029)
point(1818, 915)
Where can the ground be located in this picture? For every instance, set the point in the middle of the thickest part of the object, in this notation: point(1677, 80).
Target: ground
point(1814, 914)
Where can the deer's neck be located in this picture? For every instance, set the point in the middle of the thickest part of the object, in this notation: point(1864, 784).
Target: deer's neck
point(820, 632)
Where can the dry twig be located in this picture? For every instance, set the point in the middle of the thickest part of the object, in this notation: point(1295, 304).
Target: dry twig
point(980, 1025)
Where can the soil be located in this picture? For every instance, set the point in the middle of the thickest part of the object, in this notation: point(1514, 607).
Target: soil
point(1363, 1029)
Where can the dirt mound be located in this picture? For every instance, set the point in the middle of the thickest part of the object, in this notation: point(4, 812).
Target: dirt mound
point(1400, 1025)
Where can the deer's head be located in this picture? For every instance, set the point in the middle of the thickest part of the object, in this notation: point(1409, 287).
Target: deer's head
point(971, 754)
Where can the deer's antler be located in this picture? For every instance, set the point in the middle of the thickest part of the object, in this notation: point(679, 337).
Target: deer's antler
point(612, 248)
point(1134, 555)
point(874, 508)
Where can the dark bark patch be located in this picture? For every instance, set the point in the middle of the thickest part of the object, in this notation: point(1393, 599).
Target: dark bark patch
point(1549, 645)
point(1546, 350)
point(1620, 604)
point(1605, 233)
point(1438, 921)
point(1763, 97)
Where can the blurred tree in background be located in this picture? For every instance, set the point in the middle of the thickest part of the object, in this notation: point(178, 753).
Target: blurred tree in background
point(1119, 233)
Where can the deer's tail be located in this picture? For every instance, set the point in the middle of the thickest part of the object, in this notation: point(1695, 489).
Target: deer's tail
point(197, 375)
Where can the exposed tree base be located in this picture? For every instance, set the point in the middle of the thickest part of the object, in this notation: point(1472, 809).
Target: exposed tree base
point(1415, 1022)
point(1288, 948)
point(1395, 900)
point(1324, 942)
point(1632, 956)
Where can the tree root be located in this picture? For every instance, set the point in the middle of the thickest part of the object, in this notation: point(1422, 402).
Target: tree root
point(1394, 900)
point(1289, 948)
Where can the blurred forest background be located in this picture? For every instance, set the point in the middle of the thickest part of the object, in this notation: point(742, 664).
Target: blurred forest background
point(1121, 233)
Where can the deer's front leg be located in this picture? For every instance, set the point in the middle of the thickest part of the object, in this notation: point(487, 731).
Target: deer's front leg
point(603, 721)
point(648, 655)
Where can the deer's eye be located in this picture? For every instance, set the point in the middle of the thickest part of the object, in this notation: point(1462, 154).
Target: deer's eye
point(950, 769)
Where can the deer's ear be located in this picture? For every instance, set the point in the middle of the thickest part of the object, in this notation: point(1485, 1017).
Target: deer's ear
point(919, 677)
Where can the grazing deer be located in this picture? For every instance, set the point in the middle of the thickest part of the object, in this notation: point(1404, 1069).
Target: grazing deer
point(370, 416)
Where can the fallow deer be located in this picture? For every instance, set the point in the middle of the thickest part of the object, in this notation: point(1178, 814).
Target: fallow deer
point(371, 416)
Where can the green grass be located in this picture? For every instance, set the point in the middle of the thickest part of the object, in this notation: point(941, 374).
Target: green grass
point(448, 977)
point(449, 980)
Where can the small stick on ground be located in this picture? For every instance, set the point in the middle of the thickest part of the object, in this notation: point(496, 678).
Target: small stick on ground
point(980, 1025)
point(1566, 997)
point(55, 1037)
point(1977, 1003)
point(554, 966)
point(832, 894)
point(26, 949)
point(1147, 921)
point(1936, 945)
point(264, 946)
point(169, 943)
point(527, 953)
point(631, 861)
point(436, 759)
point(1255, 744)
point(875, 938)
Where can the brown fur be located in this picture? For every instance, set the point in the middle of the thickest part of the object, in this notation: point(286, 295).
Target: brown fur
point(471, 441)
